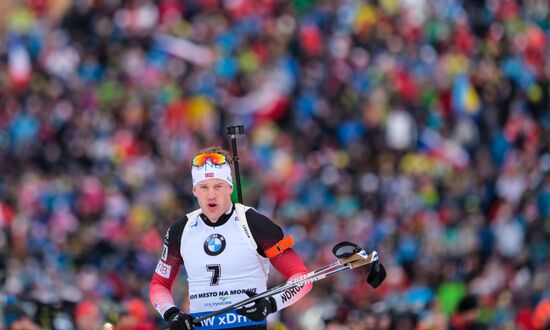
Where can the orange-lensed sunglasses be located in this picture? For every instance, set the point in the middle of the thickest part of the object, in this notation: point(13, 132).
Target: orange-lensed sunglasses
point(214, 158)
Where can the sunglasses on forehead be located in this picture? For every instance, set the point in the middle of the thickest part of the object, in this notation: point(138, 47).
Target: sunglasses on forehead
point(214, 158)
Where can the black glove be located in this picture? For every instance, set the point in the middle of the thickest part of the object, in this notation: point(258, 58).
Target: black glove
point(178, 320)
point(261, 308)
point(377, 274)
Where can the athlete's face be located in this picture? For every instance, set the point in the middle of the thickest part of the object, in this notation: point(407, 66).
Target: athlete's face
point(214, 197)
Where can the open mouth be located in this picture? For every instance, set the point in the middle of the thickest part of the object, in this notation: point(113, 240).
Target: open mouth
point(212, 205)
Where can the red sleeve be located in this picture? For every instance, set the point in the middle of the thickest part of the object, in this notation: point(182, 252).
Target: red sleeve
point(288, 264)
point(291, 266)
point(168, 267)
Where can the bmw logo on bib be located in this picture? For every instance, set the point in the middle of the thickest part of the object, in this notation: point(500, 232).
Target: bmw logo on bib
point(214, 244)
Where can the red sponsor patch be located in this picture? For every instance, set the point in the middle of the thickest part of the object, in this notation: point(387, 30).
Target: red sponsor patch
point(209, 175)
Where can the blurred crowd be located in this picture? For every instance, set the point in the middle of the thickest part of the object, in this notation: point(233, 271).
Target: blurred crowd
point(419, 128)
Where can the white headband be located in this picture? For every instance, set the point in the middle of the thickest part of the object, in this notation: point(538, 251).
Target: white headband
point(209, 171)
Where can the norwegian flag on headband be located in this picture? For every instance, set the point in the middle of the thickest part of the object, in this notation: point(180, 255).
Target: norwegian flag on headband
point(19, 66)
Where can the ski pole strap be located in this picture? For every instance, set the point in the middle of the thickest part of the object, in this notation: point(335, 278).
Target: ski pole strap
point(281, 246)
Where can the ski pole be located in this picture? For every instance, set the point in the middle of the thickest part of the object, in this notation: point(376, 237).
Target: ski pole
point(347, 260)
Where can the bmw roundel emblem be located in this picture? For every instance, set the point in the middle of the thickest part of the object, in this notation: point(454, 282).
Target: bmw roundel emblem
point(214, 244)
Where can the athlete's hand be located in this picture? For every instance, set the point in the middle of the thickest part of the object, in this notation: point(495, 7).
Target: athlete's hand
point(178, 320)
point(261, 308)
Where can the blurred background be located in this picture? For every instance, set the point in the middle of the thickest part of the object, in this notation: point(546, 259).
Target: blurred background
point(419, 128)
